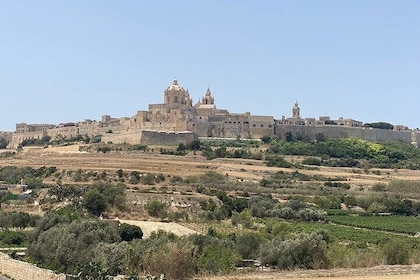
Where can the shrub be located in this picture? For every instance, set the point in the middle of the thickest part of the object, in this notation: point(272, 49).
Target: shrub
point(66, 246)
point(155, 208)
point(278, 162)
point(379, 187)
point(12, 237)
point(312, 161)
point(248, 245)
point(396, 251)
point(94, 202)
point(129, 232)
point(218, 258)
point(174, 259)
point(137, 147)
point(306, 251)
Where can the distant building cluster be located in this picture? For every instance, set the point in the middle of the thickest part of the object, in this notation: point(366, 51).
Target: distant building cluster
point(177, 120)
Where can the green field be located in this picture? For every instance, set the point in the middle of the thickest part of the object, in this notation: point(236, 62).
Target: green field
point(399, 224)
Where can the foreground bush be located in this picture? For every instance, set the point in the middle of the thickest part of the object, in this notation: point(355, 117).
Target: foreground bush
point(306, 251)
point(65, 246)
point(396, 252)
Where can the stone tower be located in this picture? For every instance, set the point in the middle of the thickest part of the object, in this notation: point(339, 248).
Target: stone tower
point(296, 111)
point(208, 99)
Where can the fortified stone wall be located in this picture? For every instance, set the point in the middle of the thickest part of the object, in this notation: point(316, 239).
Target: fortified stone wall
point(222, 130)
point(19, 137)
point(260, 126)
point(149, 137)
point(125, 137)
point(19, 270)
point(374, 134)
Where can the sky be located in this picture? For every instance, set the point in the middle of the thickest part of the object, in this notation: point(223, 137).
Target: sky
point(67, 61)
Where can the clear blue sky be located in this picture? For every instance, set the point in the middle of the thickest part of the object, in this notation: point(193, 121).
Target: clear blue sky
point(66, 61)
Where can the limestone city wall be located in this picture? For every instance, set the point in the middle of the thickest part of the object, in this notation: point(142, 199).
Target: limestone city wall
point(150, 137)
point(20, 270)
point(369, 134)
point(132, 137)
point(19, 137)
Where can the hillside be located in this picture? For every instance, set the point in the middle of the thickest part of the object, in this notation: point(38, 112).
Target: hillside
point(233, 196)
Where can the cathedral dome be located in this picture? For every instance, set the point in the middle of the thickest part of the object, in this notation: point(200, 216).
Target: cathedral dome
point(175, 87)
point(175, 94)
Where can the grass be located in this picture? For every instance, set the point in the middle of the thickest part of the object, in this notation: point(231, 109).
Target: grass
point(399, 224)
point(346, 233)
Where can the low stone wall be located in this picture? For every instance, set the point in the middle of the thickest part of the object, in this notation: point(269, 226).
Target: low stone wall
point(19, 270)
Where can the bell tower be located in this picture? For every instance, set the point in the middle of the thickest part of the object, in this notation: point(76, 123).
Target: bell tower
point(296, 111)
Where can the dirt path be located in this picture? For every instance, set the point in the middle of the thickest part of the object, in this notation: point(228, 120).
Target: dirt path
point(384, 272)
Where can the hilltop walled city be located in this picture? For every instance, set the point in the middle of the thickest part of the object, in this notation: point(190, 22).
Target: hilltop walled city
point(177, 120)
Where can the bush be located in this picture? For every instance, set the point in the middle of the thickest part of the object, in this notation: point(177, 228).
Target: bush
point(312, 161)
point(12, 237)
point(266, 139)
point(103, 149)
point(174, 259)
point(248, 245)
point(278, 161)
point(379, 187)
point(94, 202)
point(218, 258)
point(155, 208)
point(129, 232)
point(66, 246)
point(396, 251)
point(306, 251)
point(137, 147)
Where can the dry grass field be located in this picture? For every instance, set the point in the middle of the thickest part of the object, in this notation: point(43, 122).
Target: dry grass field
point(69, 157)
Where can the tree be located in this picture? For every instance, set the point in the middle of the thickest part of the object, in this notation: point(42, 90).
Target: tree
point(397, 251)
point(181, 147)
point(306, 251)
point(194, 145)
point(380, 125)
point(94, 202)
point(218, 258)
point(129, 232)
point(134, 177)
point(289, 136)
point(3, 143)
point(67, 246)
point(248, 245)
point(266, 139)
point(155, 208)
